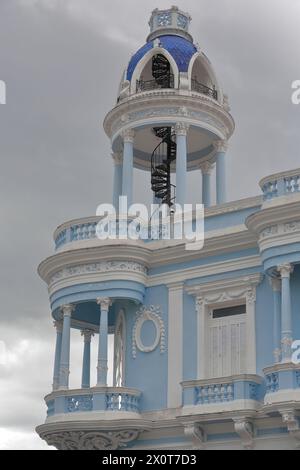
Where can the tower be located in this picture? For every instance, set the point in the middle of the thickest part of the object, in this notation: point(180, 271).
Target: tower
point(191, 330)
point(171, 115)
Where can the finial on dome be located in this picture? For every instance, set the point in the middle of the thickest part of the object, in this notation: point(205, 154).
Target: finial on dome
point(172, 21)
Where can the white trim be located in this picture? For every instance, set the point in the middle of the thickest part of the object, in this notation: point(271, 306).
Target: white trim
point(143, 62)
point(204, 271)
point(210, 71)
point(218, 293)
point(175, 346)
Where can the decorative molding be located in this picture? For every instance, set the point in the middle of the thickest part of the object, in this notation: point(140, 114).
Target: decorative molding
point(245, 429)
point(181, 128)
point(221, 145)
point(91, 440)
point(285, 270)
point(96, 268)
point(104, 302)
point(117, 158)
point(275, 283)
point(152, 314)
point(196, 434)
point(207, 168)
point(58, 324)
point(128, 136)
point(87, 334)
point(67, 310)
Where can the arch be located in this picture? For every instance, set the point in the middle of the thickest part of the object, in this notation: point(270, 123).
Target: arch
point(119, 350)
point(145, 60)
point(208, 69)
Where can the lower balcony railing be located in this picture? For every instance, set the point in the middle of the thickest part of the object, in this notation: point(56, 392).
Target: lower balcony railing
point(222, 391)
point(112, 399)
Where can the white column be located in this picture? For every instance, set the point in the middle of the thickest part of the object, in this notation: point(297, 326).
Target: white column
point(221, 147)
point(127, 177)
point(59, 328)
point(206, 169)
point(251, 330)
point(86, 360)
point(65, 349)
point(118, 172)
point(285, 271)
point(104, 303)
point(201, 336)
point(276, 287)
point(181, 130)
point(175, 345)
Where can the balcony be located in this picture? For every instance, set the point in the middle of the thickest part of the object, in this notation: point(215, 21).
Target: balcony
point(235, 393)
point(110, 402)
point(148, 85)
point(281, 184)
point(204, 90)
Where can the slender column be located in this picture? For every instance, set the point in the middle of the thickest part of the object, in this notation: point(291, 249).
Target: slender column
point(276, 286)
point(86, 362)
point(285, 271)
point(102, 368)
point(118, 171)
point(127, 177)
point(206, 169)
point(65, 348)
point(221, 147)
point(59, 327)
point(181, 130)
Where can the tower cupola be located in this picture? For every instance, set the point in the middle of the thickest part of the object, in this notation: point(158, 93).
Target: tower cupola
point(170, 22)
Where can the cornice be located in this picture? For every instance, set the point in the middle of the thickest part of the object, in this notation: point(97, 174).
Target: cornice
point(161, 99)
point(151, 255)
point(251, 280)
point(287, 209)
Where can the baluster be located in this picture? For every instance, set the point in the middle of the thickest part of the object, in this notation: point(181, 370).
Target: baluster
point(211, 394)
point(230, 392)
point(288, 185)
point(296, 183)
point(217, 391)
point(206, 394)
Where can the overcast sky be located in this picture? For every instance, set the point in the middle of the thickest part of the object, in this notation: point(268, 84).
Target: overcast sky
point(62, 61)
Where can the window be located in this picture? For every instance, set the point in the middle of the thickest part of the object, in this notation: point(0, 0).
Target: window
point(226, 345)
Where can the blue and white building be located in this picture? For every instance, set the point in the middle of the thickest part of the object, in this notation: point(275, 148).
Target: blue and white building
point(202, 339)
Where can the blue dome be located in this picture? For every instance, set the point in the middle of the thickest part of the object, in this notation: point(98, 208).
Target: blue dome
point(180, 49)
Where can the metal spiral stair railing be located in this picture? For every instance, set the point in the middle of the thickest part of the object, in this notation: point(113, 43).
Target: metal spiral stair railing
point(162, 157)
point(165, 152)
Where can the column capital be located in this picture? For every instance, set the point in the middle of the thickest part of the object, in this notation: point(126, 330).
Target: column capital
point(67, 310)
point(221, 145)
point(117, 158)
point(206, 168)
point(285, 270)
point(87, 334)
point(58, 324)
point(181, 128)
point(104, 302)
point(128, 136)
point(275, 283)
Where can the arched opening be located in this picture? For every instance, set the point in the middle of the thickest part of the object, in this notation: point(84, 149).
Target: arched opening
point(201, 80)
point(156, 74)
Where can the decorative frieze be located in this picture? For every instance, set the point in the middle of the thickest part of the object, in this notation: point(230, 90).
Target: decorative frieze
point(101, 267)
point(91, 440)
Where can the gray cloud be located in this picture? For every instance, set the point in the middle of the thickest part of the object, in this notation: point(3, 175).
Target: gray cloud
point(62, 62)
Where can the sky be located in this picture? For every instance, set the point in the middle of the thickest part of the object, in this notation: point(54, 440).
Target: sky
point(62, 62)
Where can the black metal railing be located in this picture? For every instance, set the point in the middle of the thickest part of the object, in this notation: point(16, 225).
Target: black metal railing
point(205, 90)
point(147, 85)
